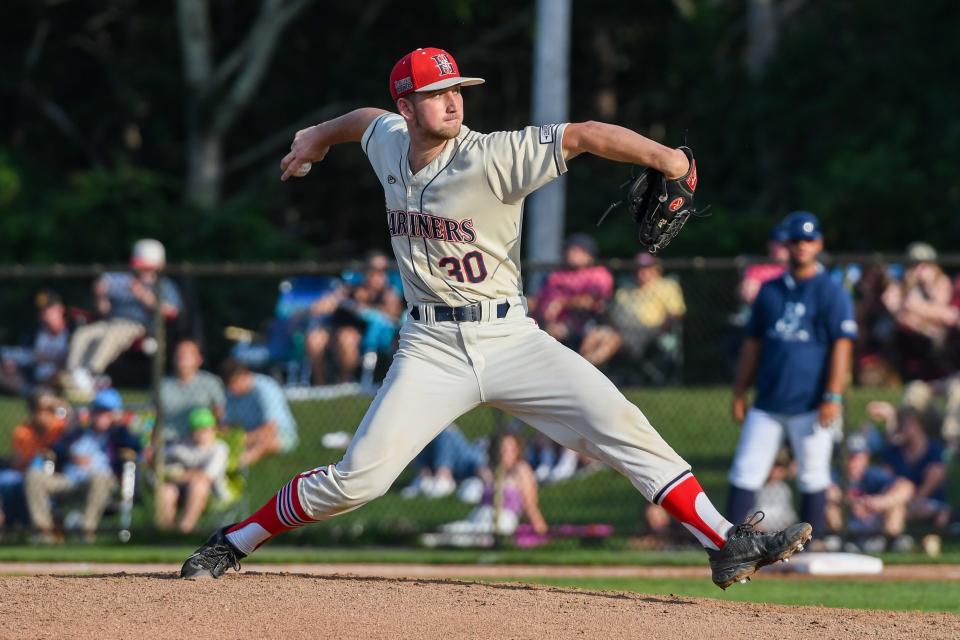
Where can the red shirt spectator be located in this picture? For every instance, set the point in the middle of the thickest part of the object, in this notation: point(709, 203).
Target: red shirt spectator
point(755, 275)
point(575, 295)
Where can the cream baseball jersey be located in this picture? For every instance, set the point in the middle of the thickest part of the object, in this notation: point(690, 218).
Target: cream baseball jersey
point(456, 224)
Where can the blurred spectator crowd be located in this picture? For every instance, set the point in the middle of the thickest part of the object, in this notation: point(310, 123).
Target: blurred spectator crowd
point(78, 453)
point(70, 460)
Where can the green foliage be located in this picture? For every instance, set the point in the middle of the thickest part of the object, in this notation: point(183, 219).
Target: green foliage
point(10, 182)
point(855, 119)
point(126, 203)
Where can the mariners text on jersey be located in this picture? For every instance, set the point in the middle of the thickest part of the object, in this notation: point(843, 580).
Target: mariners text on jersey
point(424, 225)
point(455, 224)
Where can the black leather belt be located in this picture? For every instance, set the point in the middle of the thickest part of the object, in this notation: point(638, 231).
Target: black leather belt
point(469, 313)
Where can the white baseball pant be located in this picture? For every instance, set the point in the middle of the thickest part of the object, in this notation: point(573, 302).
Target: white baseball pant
point(444, 369)
point(760, 439)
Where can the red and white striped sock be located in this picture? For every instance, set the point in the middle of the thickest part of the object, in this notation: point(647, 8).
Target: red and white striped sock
point(282, 512)
point(684, 499)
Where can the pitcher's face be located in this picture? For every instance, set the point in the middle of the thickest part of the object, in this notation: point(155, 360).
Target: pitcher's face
point(437, 114)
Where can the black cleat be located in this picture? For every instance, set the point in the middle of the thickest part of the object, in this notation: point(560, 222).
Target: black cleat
point(748, 549)
point(213, 558)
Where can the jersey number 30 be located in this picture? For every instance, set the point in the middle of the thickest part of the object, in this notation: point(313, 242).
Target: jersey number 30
point(471, 266)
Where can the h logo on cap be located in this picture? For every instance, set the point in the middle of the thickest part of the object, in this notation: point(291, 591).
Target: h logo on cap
point(426, 70)
point(444, 66)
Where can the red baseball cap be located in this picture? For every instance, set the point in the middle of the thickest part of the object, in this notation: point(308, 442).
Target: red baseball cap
point(426, 70)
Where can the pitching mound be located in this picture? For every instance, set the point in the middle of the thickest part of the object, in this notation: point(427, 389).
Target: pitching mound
point(266, 606)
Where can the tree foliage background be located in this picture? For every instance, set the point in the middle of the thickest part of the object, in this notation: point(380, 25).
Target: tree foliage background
point(110, 110)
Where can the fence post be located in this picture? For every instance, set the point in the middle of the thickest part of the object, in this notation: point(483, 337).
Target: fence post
point(157, 441)
point(499, 475)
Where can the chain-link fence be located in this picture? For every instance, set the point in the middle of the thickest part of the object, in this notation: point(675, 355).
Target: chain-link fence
point(268, 369)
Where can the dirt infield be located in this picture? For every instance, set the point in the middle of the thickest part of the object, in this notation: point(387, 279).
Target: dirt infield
point(149, 606)
point(905, 572)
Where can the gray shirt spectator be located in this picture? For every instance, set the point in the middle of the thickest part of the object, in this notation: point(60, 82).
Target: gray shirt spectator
point(256, 404)
point(263, 403)
point(191, 388)
point(180, 397)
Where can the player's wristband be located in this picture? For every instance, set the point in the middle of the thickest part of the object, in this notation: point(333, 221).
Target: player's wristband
point(833, 397)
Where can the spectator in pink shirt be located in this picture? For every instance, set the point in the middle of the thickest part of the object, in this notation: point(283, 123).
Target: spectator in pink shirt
point(574, 297)
point(755, 275)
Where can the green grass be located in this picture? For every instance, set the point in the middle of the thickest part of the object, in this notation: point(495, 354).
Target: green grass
point(557, 554)
point(887, 595)
point(695, 421)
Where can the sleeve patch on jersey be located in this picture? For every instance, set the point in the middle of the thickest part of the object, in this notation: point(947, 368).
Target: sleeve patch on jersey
point(849, 327)
point(546, 133)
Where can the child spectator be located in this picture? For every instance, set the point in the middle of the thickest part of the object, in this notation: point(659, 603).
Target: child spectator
point(126, 303)
point(196, 468)
point(256, 404)
point(190, 389)
point(519, 498)
point(49, 417)
point(30, 442)
point(572, 298)
point(90, 457)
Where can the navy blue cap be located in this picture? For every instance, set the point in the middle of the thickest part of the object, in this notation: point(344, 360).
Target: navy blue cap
point(802, 225)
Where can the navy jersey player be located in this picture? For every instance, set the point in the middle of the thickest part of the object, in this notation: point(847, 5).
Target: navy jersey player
point(798, 349)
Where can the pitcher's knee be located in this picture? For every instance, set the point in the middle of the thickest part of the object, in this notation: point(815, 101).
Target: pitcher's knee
point(359, 491)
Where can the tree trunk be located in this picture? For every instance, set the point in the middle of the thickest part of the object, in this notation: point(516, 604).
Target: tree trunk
point(217, 94)
point(205, 169)
point(763, 27)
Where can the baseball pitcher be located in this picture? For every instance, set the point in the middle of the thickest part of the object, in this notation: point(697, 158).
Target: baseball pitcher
point(453, 209)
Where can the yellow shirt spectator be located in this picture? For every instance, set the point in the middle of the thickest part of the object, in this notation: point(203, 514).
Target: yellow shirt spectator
point(649, 305)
